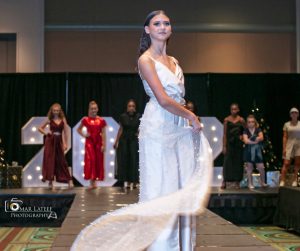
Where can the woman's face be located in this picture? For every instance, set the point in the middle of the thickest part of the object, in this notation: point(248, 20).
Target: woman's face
point(56, 110)
point(250, 123)
point(234, 110)
point(131, 107)
point(294, 115)
point(159, 28)
point(93, 110)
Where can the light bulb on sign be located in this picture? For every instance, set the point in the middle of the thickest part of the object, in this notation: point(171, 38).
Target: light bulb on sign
point(215, 139)
point(112, 140)
point(213, 128)
point(112, 152)
point(38, 168)
point(110, 175)
point(112, 163)
point(29, 177)
point(33, 129)
point(111, 129)
point(32, 139)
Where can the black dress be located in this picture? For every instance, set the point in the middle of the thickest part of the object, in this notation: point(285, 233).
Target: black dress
point(127, 151)
point(233, 159)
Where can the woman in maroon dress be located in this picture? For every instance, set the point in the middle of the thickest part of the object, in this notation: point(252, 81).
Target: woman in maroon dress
point(94, 145)
point(55, 166)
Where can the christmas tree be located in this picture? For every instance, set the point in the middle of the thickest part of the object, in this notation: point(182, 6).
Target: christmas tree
point(3, 166)
point(270, 160)
point(2, 160)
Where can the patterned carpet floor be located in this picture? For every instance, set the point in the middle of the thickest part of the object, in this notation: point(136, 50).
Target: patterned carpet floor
point(27, 239)
point(41, 239)
point(277, 237)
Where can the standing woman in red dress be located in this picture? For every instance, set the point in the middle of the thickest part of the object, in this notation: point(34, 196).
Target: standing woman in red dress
point(95, 142)
point(55, 166)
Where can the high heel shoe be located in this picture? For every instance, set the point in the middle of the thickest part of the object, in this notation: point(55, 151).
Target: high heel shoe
point(264, 185)
point(50, 185)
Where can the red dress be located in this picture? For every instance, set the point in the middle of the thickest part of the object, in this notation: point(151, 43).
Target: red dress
point(93, 158)
point(54, 161)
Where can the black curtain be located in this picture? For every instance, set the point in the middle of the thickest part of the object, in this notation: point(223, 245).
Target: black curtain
point(23, 96)
point(197, 91)
point(110, 91)
point(274, 94)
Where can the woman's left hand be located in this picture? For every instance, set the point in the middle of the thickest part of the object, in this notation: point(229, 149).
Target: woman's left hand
point(65, 147)
point(103, 149)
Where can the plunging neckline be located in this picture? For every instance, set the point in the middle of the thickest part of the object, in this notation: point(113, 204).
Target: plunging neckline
point(174, 73)
point(57, 123)
point(176, 65)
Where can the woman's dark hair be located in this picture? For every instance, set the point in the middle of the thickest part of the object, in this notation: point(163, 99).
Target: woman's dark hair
point(145, 40)
point(191, 102)
point(129, 101)
point(235, 104)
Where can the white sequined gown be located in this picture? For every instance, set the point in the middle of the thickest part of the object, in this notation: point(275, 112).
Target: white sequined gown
point(175, 175)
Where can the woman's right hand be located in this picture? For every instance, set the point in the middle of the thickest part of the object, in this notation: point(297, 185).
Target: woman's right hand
point(116, 145)
point(197, 127)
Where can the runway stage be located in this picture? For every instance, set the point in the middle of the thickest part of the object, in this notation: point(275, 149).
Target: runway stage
point(213, 232)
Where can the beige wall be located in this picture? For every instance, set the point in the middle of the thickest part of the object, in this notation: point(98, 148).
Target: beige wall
point(101, 51)
point(8, 56)
point(26, 19)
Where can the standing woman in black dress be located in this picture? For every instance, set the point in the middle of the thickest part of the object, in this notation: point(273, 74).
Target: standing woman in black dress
point(233, 147)
point(127, 146)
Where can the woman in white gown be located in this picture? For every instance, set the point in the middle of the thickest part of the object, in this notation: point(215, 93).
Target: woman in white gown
point(175, 161)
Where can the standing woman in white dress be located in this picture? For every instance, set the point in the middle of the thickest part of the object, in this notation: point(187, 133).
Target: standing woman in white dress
point(175, 162)
point(163, 169)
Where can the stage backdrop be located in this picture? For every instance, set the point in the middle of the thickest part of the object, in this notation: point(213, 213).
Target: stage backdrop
point(25, 95)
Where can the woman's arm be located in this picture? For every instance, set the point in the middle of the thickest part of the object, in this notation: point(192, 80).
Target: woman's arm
point(79, 130)
point(148, 72)
point(43, 126)
point(120, 131)
point(284, 140)
point(246, 140)
point(260, 137)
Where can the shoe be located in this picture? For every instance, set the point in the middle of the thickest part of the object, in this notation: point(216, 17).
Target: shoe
point(251, 187)
point(50, 185)
point(294, 184)
point(282, 183)
point(264, 185)
point(91, 188)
